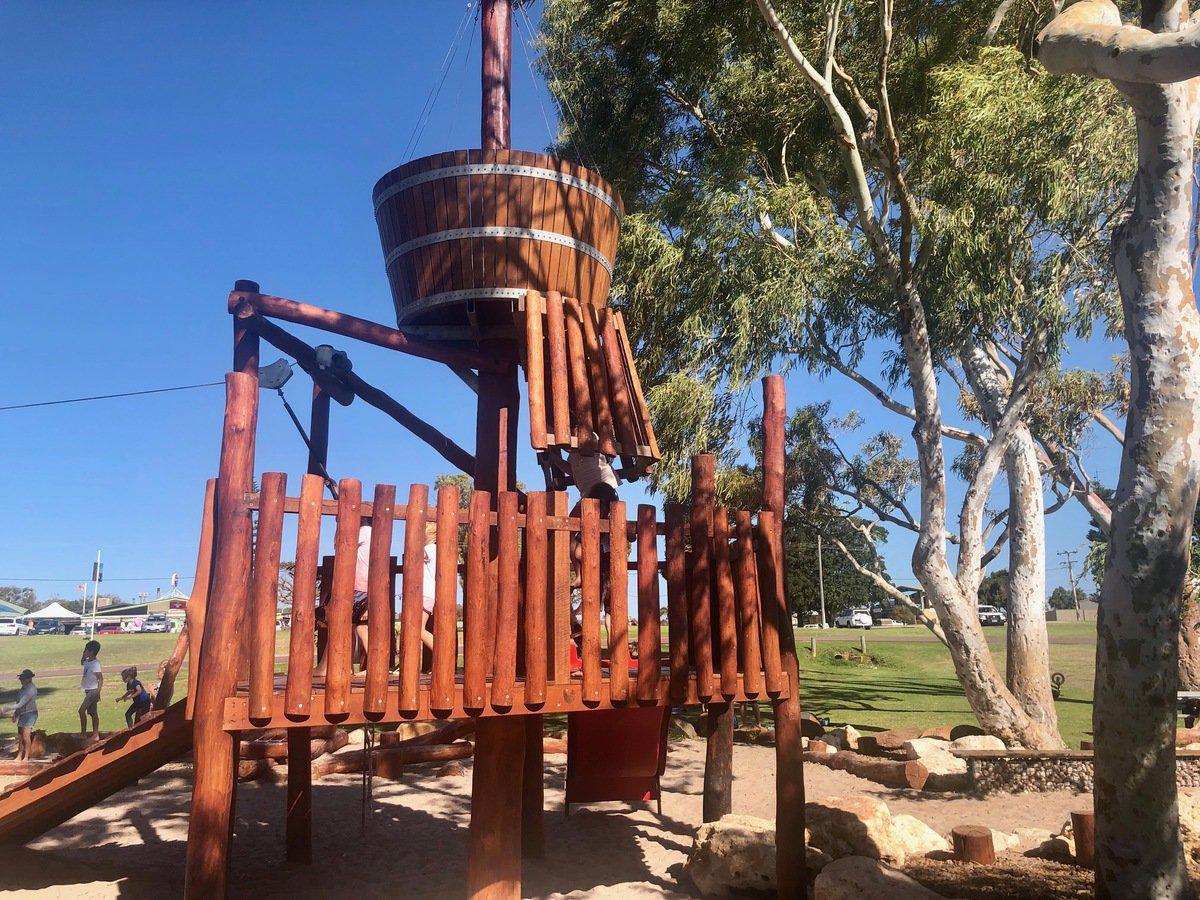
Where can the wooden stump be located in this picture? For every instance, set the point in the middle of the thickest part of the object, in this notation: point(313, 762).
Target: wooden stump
point(973, 843)
point(1083, 824)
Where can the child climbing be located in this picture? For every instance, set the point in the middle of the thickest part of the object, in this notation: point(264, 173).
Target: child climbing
point(137, 695)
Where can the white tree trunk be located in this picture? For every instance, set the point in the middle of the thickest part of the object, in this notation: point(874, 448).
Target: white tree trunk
point(1138, 853)
point(997, 709)
point(1027, 670)
point(1028, 663)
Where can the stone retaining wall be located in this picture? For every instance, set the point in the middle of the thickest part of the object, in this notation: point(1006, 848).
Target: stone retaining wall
point(1018, 772)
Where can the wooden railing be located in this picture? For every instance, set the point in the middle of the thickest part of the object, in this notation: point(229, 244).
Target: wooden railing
point(516, 559)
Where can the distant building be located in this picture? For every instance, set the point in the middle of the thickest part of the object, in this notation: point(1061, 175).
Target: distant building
point(172, 604)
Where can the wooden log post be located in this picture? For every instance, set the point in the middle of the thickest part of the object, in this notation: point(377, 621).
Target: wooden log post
point(210, 826)
point(536, 565)
point(589, 609)
point(718, 760)
point(198, 602)
point(790, 864)
point(649, 620)
point(973, 843)
point(499, 803)
point(380, 627)
point(1083, 826)
point(298, 693)
point(618, 603)
point(339, 653)
point(750, 640)
point(508, 588)
point(445, 622)
point(264, 595)
point(677, 602)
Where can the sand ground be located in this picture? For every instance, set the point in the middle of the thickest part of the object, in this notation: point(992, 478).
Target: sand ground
point(415, 840)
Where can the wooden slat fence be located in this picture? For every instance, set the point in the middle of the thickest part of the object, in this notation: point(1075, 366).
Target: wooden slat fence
point(722, 609)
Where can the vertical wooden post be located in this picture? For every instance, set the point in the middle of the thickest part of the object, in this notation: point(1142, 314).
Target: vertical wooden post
point(496, 25)
point(748, 602)
point(536, 606)
point(618, 603)
point(558, 632)
point(535, 369)
point(245, 360)
point(209, 828)
point(339, 654)
point(790, 868)
point(677, 602)
point(499, 803)
point(504, 662)
point(445, 623)
point(198, 602)
point(589, 606)
point(718, 760)
point(649, 615)
point(380, 621)
point(264, 595)
point(412, 595)
point(298, 699)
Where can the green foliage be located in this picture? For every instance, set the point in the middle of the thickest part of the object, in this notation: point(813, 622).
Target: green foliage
point(1061, 598)
point(993, 590)
point(24, 597)
point(742, 235)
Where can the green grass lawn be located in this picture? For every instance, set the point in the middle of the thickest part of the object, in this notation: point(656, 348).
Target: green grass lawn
point(909, 683)
point(912, 683)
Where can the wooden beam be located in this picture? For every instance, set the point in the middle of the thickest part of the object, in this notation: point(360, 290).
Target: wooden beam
point(791, 868)
point(352, 385)
point(361, 330)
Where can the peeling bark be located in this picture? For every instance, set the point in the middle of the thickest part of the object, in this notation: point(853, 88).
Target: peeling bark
point(1138, 850)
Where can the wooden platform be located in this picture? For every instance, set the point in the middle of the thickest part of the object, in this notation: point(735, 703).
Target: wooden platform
point(560, 698)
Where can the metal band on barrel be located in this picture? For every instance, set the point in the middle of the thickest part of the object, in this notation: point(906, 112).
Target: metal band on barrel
point(499, 169)
point(446, 297)
point(501, 231)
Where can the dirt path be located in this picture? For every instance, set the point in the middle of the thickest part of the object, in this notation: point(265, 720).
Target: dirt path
point(415, 841)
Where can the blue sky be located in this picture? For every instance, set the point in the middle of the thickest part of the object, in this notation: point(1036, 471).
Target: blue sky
point(154, 153)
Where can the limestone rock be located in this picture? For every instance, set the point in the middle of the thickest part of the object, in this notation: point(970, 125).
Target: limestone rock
point(919, 748)
point(845, 738)
point(854, 826)
point(946, 771)
point(916, 837)
point(733, 855)
point(977, 742)
point(862, 878)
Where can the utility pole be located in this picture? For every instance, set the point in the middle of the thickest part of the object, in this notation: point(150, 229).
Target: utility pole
point(97, 574)
point(1069, 555)
point(821, 580)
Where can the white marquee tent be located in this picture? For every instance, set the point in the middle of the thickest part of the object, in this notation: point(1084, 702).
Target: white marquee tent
point(53, 611)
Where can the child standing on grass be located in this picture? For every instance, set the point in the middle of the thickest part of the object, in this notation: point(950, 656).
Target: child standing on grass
point(136, 693)
point(25, 714)
point(91, 683)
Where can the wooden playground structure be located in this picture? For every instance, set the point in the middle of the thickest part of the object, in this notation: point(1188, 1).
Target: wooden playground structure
point(499, 263)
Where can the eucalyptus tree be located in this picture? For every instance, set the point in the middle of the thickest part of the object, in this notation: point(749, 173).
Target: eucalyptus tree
point(796, 177)
point(1155, 65)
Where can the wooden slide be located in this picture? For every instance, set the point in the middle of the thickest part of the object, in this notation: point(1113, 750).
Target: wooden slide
point(77, 782)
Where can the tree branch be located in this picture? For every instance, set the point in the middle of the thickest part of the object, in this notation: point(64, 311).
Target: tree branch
point(1088, 38)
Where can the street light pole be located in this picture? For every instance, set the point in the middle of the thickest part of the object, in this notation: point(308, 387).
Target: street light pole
point(821, 580)
point(95, 595)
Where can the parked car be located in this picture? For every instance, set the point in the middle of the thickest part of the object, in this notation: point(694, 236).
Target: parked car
point(10, 627)
point(155, 624)
point(109, 628)
point(80, 630)
point(853, 618)
point(47, 626)
point(991, 615)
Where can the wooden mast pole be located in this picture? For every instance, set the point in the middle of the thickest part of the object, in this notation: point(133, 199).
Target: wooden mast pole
point(790, 865)
point(494, 841)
